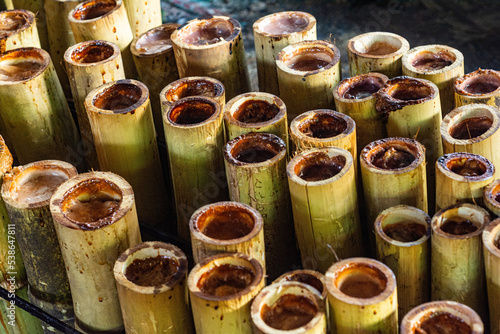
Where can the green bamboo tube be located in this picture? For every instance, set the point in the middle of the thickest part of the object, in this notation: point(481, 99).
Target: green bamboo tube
point(307, 72)
point(16, 320)
point(439, 64)
point(271, 34)
point(227, 227)
point(289, 307)
point(19, 31)
point(6, 4)
point(26, 191)
point(363, 297)
point(327, 227)
point(143, 15)
point(193, 86)
point(255, 169)
point(403, 244)
point(89, 65)
point(491, 197)
point(203, 50)
point(457, 263)
point(354, 97)
point(376, 52)
point(443, 316)
point(95, 220)
point(481, 86)
point(221, 290)
point(36, 7)
point(491, 248)
point(125, 141)
point(151, 282)
point(195, 136)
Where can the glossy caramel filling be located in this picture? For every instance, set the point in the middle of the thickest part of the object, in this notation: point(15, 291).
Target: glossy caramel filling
point(319, 166)
point(38, 185)
point(251, 155)
point(227, 225)
point(405, 231)
point(256, 111)
point(10, 22)
point(94, 9)
point(362, 89)
point(458, 226)
point(380, 49)
point(427, 61)
point(155, 41)
point(284, 24)
point(481, 84)
point(193, 88)
point(192, 112)
point(362, 281)
point(206, 32)
point(442, 323)
point(410, 91)
point(471, 127)
point(225, 280)
point(392, 158)
point(466, 167)
point(92, 53)
point(152, 271)
point(289, 312)
point(306, 279)
point(323, 126)
point(19, 69)
point(118, 97)
point(308, 59)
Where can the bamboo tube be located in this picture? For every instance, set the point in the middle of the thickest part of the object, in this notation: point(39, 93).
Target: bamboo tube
point(403, 244)
point(457, 263)
point(491, 197)
point(155, 62)
point(95, 220)
point(271, 34)
point(221, 290)
point(363, 297)
point(18, 30)
point(289, 307)
point(26, 191)
point(6, 4)
point(354, 97)
point(143, 15)
point(307, 73)
point(104, 20)
point(376, 52)
point(310, 277)
point(481, 86)
point(213, 47)
point(439, 64)
point(491, 249)
point(473, 128)
point(443, 317)
point(255, 169)
point(125, 140)
point(36, 7)
point(192, 86)
point(256, 112)
point(42, 129)
point(227, 227)
point(150, 278)
point(15, 320)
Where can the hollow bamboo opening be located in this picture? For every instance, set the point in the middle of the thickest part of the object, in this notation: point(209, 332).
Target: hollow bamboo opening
point(192, 111)
point(156, 40)
point(491, 238)
point(471, 124)
point(478, 83)
point(12, 21)
point(318, 166)
point(492, 196)
point(255, 111)
point(284, 23)
point(310, 57)
point(378, 45)
point(207, 31)
point(289, 312)
point(361, 86)
point(470, 166)
point(254, 148)
point(392, 153)
point(193, 86)
point(309, 277)
point(460, 221)
point(94, 9)
point(361, 280)
point(92, 52)
point(22, 64)
point(323, 125)
point(428, 60)
point(118, 96)
point(403, 224)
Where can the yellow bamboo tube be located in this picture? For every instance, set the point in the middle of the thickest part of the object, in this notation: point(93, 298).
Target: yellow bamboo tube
point(327, 227)
point(151, 282)
point(363, 297)
point(143, 15)
point(481, 86)
point(221, 290)
point(307, 73)
point(376, 52)
point(201, 49)
point(18, 30)
point(193, 86)
point(491, 248)
point(6, 4)
point(443, 317)
point(492, 197)
point(457, 262)
point(289, 307)
point(95, 220)
point(37, 8)
point(271, 34)
point(227, 227)
point(403, 244)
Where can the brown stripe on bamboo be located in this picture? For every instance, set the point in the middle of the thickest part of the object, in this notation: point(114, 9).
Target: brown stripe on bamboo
point(143, 15)
point(480, 86)
point(491, 197)
point(491, 248)
point(18, 30)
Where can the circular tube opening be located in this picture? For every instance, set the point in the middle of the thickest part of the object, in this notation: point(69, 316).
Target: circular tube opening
point(373, 46)
point(198, 87)
point(191, 112)
point(207, 31)
point(12, 21)
point(225, 222)
point(361, 281)
point(225, 280)
point(472, 127)
point(117, 97)
point(255, 148)
point(361, 87)
point(155, 40)
point(323, 126)
point(308, 59)
point(284, 23)
point(410, 90)
point(92, 52)
point(405, 231)
point(94, 9)
point(427, 61)
point(441, 322)
point(256, 111)
point(466, 166)
point(152, 271)
point(289, 312)
point(307, 279)
point(458, 226)
point(319, 166)
point(479, 83)
point(21, 64)
point(390, 154)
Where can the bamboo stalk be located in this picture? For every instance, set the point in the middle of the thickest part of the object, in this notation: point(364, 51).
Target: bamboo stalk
point(202, 50)
point(439, 64)
point(95, 220)
point(192, 86)
point(271, 34)
point(227, 227)
point(491, 197)
point(289, 307)
point(6, 4)
point(457, 263)
point(255, 169)
point(354, 97)
point(327, 227)
point(125, 140)
point(307, 73)
point(36, 7)
point(363, 297)
point(481, 86)
point(150, 279)
point(221, 290)
point(491, 249)
point(143, 15)
point(19, 30)
point(16, 320)
point(403, 244)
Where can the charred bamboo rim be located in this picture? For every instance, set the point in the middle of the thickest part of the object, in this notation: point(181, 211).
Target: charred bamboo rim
point(252, 143)
point(307, 49)
point(272, 293)
point(193, 86)
point(91, 53)
point(490, 79)
point(110, 185)
point(404, 91)
point(491, 237)
point(34, 60)
point(182, 32)
point(205, 215)
point(460, 114)
point(448, 163)
point(358, 45)
point(425, 311)
point(259, 26)
point(342, 272)
point(475, 214)
point(93, 10)
point(236, 259)
point(22, 176)
point(400, 213)
point(233, 110)
point(373, 81)
point(117, 97)
point(6, 158)
point(158, 37)
point(192, 112)
point(310, 277)
point(426, 51)
point(21, 19)
point(147, 250)
point(321, 120)
point(491, 194)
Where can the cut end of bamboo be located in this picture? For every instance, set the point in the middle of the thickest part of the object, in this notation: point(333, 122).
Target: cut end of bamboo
point(284, 24)
point(492, 197)
point(312, 278)
point(91, 53)
point(192, 111)
point(432, 59)
point(359, 88)
point(309, 57)
point(460, 221)
point(22, 65)
point(117, 97)
point(491, 237)
point(378, 45)
point(321, 125)
point(480, 83)
point(254, 148)
point(254, 110)
point(403, 225)
point(466, 167)
point(93, 10)
point(206, 33)
point(6, 158)
point(193, 86)
point(154, 42)
point(15, 20)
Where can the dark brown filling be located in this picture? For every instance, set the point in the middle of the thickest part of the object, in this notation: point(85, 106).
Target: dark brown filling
point(255, 154)
point(497, 198)
point(155, 41)
point(466, 167)
point(410, 92)
point(405, 231)
point(255, 111)
point(11, 22)
point(320, 172)
point(227, 226)
point(323, 126)
point(20, 70)
point(289, 312)
point(497, 242)
point(363, 282)
point(309, 64)
point(392, 158)
point(193, 88)
point(118, 97)
point(379, 49)
point(92, 53)
point(207, 32)
point(309, 59)
point(225, 280)
point(479, 86)
point(430, 61)
point(193, 112)
point(152, 271)
point(360, 90)
point(94, 10)
point(471, 127)
point(458, 226)
point(443, 323)
point(40, 185)
point(307, 279)
point(91, 209)
point(284, 24)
